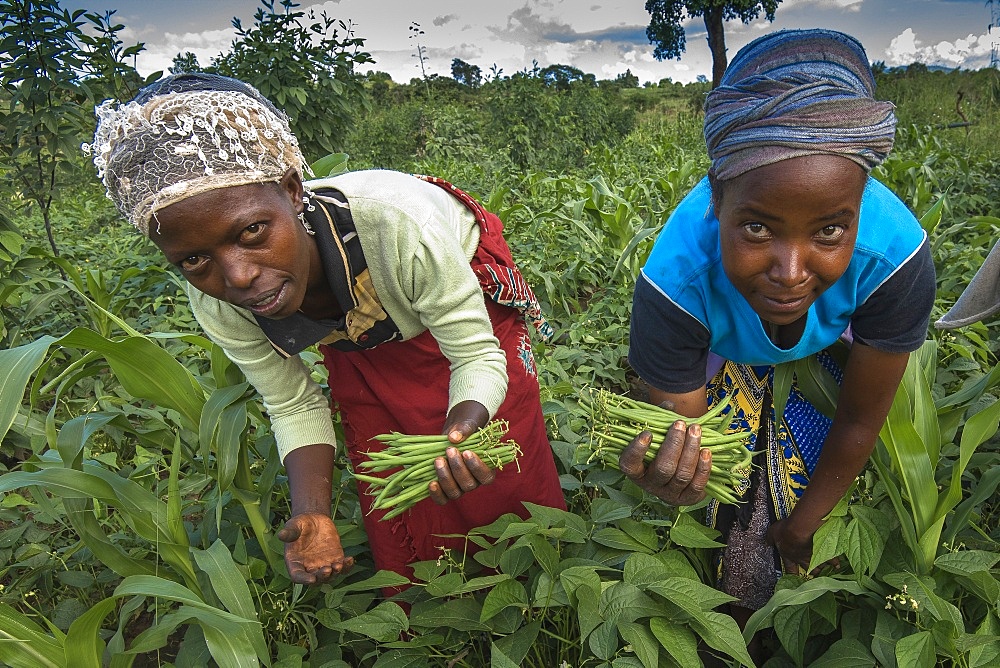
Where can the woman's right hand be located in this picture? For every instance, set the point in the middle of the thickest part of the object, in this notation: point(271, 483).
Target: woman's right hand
point(680, 470)
point(313, 553)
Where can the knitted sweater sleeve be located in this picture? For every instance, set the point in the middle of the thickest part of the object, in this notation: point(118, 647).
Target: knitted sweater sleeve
point(299, 412)
point(447, 298)
point(418, 241)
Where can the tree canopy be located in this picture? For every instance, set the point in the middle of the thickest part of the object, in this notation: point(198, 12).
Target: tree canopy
point(666, 31)
point(466, 73)
point(303, 62)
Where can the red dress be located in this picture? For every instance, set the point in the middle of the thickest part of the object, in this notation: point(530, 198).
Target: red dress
point(403, 386)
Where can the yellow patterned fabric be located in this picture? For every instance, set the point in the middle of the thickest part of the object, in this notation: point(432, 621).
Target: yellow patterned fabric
point(793, 442)
point(748, 566)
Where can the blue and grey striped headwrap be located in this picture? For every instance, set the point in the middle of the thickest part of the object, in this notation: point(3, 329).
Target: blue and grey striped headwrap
point(793, 93)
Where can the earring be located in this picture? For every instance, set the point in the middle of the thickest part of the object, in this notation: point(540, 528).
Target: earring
point(305, 223)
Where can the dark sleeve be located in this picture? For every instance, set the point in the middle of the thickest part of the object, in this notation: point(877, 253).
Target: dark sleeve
point(895, 317)
point(668, 347)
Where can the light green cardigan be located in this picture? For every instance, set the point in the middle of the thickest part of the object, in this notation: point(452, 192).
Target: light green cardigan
point(418, 242)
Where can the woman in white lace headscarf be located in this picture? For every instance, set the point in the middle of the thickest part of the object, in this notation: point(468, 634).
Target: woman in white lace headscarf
point(405, 283)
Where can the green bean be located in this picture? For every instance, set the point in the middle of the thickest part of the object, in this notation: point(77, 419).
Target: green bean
point(413, 458)
point(616, 421)
point(370, 479)
point(415, 493)
point(410, 475)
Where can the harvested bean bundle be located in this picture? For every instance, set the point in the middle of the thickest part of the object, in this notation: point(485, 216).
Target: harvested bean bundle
point(617, 420)
point(414, 457)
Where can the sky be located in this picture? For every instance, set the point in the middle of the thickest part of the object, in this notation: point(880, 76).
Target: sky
point(602, 37)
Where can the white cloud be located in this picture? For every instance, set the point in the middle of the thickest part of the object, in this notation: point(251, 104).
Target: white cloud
point(902, 49)
point(444, 20)
point(596, 18)
point(559, 52)
point(159, 54)
point(970, 52)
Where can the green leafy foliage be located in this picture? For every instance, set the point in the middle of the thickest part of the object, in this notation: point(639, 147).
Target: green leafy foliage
point(47, 73)
point(304, 63)
point(140, 484)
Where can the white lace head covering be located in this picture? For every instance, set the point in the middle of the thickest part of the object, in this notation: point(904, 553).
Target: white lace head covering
point(185, 135)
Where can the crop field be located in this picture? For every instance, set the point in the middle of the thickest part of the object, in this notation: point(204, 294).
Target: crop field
point(140, 486)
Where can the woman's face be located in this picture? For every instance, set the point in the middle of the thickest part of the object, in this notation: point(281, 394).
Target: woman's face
point(243, 245)
point(787, 231)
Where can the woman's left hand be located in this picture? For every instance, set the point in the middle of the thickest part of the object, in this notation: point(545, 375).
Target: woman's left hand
point(795, 551)
point(461, 472)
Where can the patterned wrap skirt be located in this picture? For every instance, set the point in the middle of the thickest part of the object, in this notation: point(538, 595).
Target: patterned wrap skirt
point(748, 567)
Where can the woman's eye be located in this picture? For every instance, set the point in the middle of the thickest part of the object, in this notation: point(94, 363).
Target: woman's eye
point(192, 263)
point(831, 233)
point(756, 230)
point(252, 231)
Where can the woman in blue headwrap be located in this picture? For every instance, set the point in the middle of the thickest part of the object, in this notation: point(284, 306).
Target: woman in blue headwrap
point(785, 247)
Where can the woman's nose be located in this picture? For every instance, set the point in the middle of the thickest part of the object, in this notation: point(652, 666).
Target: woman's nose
point(239, 274)
point(788, 266)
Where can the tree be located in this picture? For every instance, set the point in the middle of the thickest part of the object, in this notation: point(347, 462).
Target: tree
point(466, 73)
point(627, 80)
point(304, 63)
point(560, 76)
point(667, 33)
point(184, 63)
point(51, 71)
point(378, 84)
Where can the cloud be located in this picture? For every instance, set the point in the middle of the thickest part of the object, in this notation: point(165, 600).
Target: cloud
point(442, 57)
point(524, 26)
point(629, 34)
point(159, 55)
point(902, 49)
point(598, 36)
point(849, 5)
point(972, 52)
point(562, 21)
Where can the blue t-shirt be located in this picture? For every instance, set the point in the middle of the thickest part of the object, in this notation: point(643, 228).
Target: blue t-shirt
point(685, 306)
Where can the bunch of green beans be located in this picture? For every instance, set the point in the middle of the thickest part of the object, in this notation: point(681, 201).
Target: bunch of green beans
point(413, 457)
point(617, 420)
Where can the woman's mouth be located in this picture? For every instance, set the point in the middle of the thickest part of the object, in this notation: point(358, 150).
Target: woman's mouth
point(269, 303)
point(784, 304)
